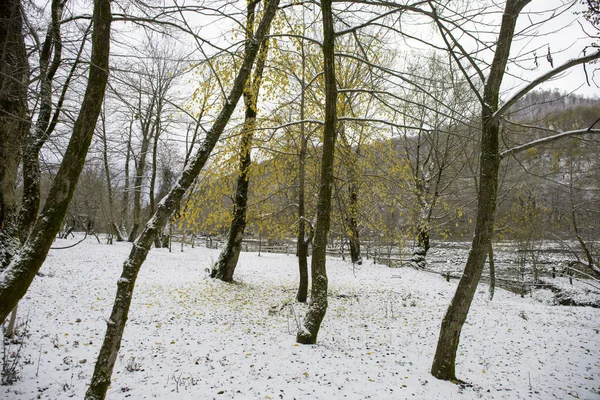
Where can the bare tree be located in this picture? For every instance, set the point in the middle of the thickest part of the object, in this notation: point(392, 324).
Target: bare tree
point(14, 121)
point(107, 356)
point(491, 113)
point(225, 265)
point(18, 275)
point(309, 329)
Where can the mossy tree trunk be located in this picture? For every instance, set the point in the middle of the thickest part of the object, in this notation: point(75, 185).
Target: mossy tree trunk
point(444, 363)
point(16, 278)
point(14, 117)
point(309, 329)
point(101, 378)
point(228, 259)
point(50, 60)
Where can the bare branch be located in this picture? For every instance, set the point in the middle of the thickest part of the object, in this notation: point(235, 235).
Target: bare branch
point(541, 79)
point(547, 140)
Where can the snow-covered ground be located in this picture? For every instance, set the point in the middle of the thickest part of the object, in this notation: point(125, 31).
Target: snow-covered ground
point(190, 337)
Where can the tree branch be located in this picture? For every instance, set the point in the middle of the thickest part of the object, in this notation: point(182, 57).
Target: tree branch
point(547, 140)
point(541, 79)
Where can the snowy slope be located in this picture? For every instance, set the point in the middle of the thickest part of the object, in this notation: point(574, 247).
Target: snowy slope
point(190, 337)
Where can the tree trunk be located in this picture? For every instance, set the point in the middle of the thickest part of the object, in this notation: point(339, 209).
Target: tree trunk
point(109, 190)
point(35, 140)
point(225, 266)
point(309, 330)
point(158, 240)
point(492, 271)
point(16, 278)
point(423, 237)
point(444, 363)
point(302, 244)
point(101, 378)
point(140, 168)
point(14, 125)
point(126, 188)
point(354, 235)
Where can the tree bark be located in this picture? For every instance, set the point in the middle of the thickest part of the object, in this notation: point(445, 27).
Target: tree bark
point(170, 203)
point(126, 186)
point(492, 272)
point(302, 244)
point(227, 262)
point(444, 363)
point(14, 122)
point(109, 189)
point(35, 140)
point(309, 330)
point(354, 234)
point(140, 168)
point(16, 278)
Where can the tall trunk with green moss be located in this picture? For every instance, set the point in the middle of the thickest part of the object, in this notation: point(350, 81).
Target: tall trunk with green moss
point(444, 363)
point(109, 351)
point(50, 60)
point(17, 277)
point(228, 259)
point(302, 242)
point(309, 329)
point(14, 122)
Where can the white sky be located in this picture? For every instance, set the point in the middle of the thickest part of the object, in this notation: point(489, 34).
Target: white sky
point(565, 43)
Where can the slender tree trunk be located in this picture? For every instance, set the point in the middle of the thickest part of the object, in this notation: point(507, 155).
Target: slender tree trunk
point(140, 168)
point(309, 330)
point(35, 140)
point(227, 262)
point(354, 234)
point(302, 244)
point(158, 240)
point(14, 122)
point(492, 271)
point(595, 270)
point(444, 363)
point(109, 190)
point(16, 278)
point(114, 332)
point(126, 186)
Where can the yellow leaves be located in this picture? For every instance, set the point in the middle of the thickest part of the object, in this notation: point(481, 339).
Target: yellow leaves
point(532, 152)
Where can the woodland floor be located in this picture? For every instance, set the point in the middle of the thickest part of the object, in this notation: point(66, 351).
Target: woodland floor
point(190, 337)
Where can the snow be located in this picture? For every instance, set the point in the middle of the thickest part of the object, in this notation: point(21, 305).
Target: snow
point(191, 337)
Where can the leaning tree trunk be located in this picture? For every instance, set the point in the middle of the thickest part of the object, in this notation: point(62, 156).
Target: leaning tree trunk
point(101, 378)
point(307, 334)
point(16, 278)
point(444, 363)
point(14, 117)
point(228, 259)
